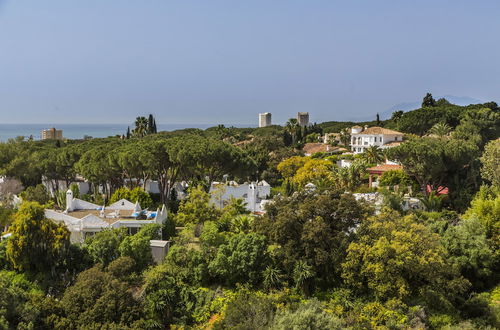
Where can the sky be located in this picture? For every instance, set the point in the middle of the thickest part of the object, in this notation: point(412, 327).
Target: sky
point(223, 62)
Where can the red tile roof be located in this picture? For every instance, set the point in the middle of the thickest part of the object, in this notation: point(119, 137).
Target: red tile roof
point(384, 168)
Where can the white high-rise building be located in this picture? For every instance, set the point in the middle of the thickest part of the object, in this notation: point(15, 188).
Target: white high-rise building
point(265, 119)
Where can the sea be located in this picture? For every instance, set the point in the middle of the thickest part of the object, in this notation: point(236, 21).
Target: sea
point(80, 131)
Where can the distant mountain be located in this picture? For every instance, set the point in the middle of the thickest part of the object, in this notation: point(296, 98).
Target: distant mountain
point(407, 106)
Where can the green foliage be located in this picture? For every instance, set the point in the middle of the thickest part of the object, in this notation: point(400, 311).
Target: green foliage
point(396, 257)
point(395, 178)
point(196, 208)
point(313, 228)
point(469, 251)
point(491, 163)
point(485, 207)
point(246, 311)
point(138, 247)
point(16, 308)
point(37, 194)
point(37, 246)
point(97, 297)
point(135, 195)
point(241, 260)
point(309, 315)
point(103, 247)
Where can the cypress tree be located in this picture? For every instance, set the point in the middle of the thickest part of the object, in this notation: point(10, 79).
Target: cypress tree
point(128, 132)
point(150, 124)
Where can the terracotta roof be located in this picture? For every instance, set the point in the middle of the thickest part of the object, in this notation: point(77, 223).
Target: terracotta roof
point(379, 130)
point(312, 148)
point(384, 168)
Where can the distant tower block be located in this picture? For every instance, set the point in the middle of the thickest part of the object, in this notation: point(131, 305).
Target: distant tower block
point(265, 119)
point(303, 118)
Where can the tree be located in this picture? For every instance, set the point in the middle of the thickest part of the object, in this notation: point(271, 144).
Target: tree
point(37, 194)
point(428, 101)
point(241, 260)
point(378, 119)
point(313, 171)
point(440, 130)
point(345, 137)
point(485, 207)
point(135, 195)
point(16, 296)
point(313, 227)
point(248, 310)
point(289, 167)
point(396, 115)
point(373, 155)
point(138, 247)
point(37, 245)
point(396, 257)
point(308, 315)
point(141, 127)
point(436, 162)
point(97, 297)
point(349, 177)
point(196, 208)
point(469, 251)
point(395, 178)
point(293, 128)
point(491, 163)
point(103, 247)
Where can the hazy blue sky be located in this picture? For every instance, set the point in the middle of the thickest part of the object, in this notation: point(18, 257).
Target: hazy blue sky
point(210, 61)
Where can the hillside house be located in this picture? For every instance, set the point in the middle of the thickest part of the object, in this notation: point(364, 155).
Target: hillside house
point(84, 219)
point(363, 138)
point(254, 194)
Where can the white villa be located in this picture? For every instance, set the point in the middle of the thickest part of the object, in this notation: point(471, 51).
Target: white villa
point(253, 194)
point(84, 219)
point(363, 138)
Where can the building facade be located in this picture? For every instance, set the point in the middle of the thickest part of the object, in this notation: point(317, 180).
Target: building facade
point(254, 194)
point(265, 119)
point(52, 134)
point(363, 138)
point(84, 219)
point(303, 118)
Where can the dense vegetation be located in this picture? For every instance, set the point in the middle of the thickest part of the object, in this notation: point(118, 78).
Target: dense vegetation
point(317, 259)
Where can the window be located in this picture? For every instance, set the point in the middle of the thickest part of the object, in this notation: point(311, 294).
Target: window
point(396, 138)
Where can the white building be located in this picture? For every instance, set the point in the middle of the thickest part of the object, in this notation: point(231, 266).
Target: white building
point(84, 219)
point(265, 119)
point(253, 194)
point(303, 118)
point(362, 139)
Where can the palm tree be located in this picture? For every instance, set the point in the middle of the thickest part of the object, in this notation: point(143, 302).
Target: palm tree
point(141, 127)
point(432, 202)
point(302, 272)
point(440, 130)
point(373, 155)
point(345, 137)
point(292, 127)
point(272, 277)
